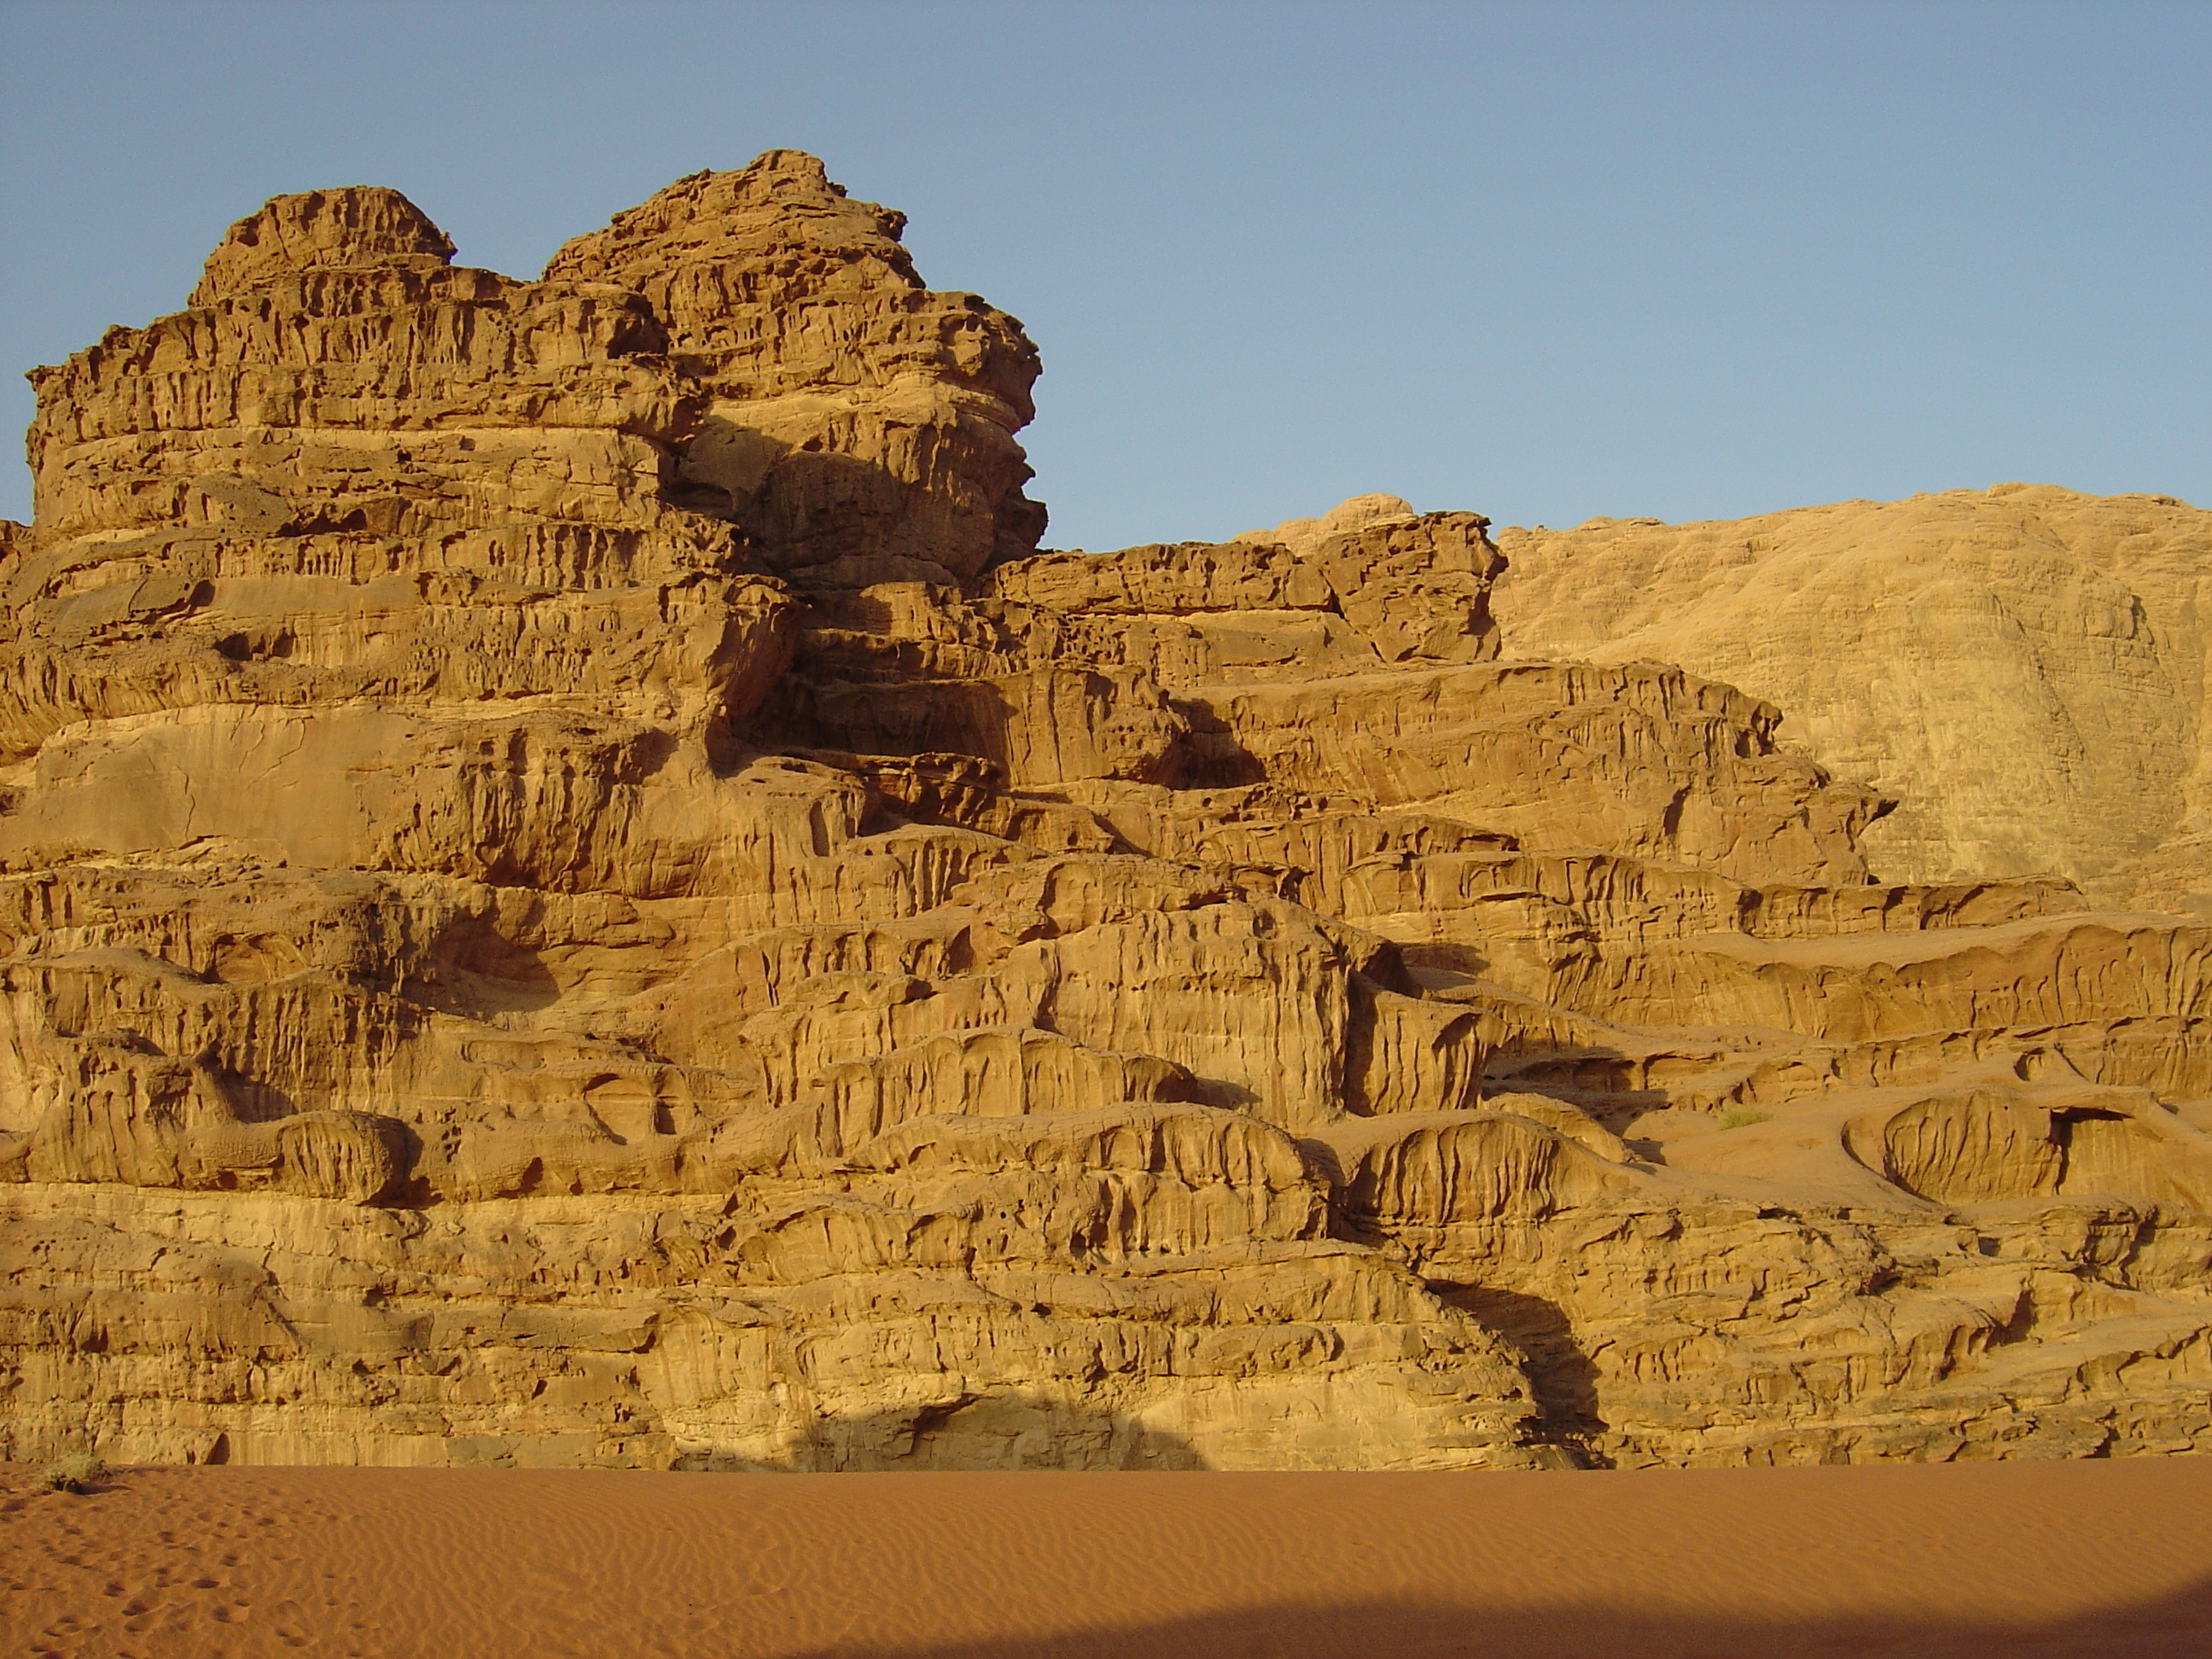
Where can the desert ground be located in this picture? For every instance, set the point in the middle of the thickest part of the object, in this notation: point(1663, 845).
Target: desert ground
point(1907, 1561)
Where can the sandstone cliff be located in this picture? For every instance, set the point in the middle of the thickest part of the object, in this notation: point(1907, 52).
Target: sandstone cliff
point(574, 892)
point(2024, 668)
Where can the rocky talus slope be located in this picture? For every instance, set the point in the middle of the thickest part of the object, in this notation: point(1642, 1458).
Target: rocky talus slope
point(573, 891)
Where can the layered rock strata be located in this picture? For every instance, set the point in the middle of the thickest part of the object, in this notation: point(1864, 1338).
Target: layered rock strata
point(573, 893)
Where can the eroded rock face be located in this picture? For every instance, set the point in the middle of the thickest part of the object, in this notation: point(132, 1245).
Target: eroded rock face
point(857, 426)
point(2023, 667)
point(565, 901)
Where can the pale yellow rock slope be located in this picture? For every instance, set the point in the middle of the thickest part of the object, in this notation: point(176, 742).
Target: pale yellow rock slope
point(2022, 668)
point(573, 890)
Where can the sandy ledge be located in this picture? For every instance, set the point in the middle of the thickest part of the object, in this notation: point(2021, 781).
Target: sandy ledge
point(1904, 1561)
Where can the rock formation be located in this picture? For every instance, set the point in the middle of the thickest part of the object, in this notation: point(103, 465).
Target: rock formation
point(574, 892)
point(1304, 536)
point(2023, 668)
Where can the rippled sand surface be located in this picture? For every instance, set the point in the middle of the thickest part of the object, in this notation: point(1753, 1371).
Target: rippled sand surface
point(2052, 1559)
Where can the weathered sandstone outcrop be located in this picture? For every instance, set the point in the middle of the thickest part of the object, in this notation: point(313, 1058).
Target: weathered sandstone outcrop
point(2023, 668)
point(854, 424)
point(573, 892)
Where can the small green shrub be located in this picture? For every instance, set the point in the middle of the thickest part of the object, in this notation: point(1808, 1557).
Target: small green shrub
point(73, 1472)
point(1741, 1117)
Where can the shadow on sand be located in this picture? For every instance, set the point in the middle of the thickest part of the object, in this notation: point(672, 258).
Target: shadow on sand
point(2177, 1627)
point(971, 1433)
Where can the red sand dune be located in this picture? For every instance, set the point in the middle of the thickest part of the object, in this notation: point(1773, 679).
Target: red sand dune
point(1902, 1561)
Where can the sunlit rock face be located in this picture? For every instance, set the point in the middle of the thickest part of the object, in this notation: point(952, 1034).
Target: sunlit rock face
point(2023, 666)
point(575, 892)
point(856, 425)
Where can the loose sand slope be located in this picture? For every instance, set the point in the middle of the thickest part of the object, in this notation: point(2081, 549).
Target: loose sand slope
point(2054, 1560)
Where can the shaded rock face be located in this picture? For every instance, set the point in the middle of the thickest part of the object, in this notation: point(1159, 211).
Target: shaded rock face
point(857, 426)
point(572, 894)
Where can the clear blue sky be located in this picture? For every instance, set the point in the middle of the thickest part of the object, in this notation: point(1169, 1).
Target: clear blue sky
point(1542, 260)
